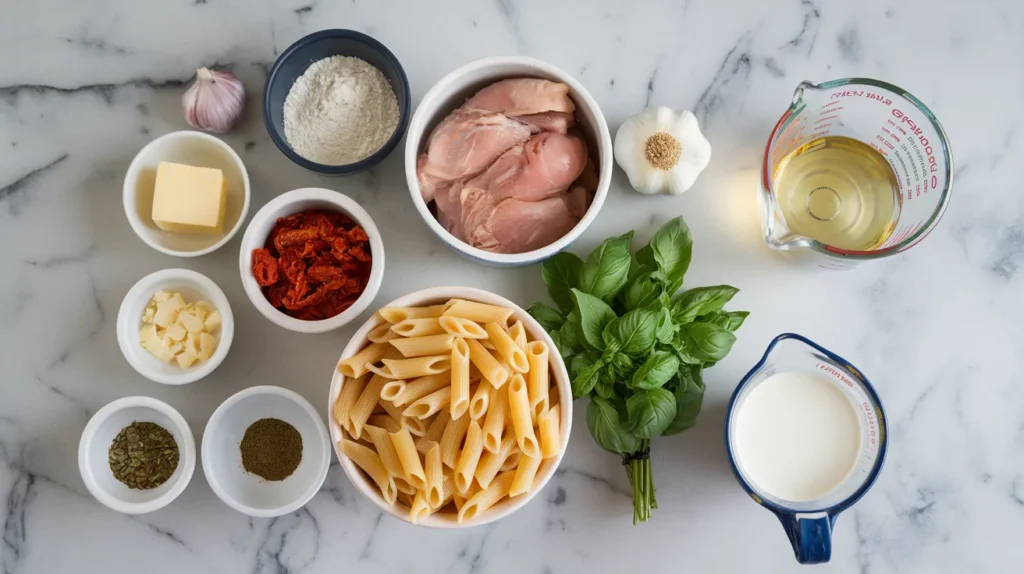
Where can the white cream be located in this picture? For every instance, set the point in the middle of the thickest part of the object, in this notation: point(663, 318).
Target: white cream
point(797, 436)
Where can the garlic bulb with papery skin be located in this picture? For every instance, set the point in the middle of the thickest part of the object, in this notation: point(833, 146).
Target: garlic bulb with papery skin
point(661, 150)
point(215, 103)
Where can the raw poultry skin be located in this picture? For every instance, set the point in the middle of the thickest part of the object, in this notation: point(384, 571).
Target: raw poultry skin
point(521, 97)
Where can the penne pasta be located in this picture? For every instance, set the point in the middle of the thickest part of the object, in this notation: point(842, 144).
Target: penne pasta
point(462, 328)
point(494, 424)
point(389, 457)
point(399, 314)
point(477, 312)
point(410, 459)
point(416, 426)
point(518, 333)
point(512, 461)
point(525, 473)
point(486, 498)
point(469, 458)
point(507, 347)
point(364, 405)
point(350, 391)
point(386, 422)
point(460, 378)
point(418, 388)
point(419, 509)
point(392, 389)
point(423, 346)
point(357, 365)
point(381, 334)
point(429, 405)
point(371, 464)
point(491, 462)
point(451, 440)
point(537, 377)
point(481, 398)
point(458, 500)
point(412, 368)
point(447, 491)
point(418, 327)
point(489, 367)
point(434, 431)
point(434, 472)
point(522, 421)
point(406, 498)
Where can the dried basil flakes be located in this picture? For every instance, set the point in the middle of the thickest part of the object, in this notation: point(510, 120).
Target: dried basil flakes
point(143, 455)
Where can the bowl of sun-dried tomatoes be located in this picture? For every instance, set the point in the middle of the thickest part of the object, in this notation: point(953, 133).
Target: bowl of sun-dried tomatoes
point(311, 260)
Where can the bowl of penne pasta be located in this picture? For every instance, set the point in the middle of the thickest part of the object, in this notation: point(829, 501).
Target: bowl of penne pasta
point(450, 407)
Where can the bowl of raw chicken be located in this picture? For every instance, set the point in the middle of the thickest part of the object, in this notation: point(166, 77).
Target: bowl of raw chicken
point(508, 160)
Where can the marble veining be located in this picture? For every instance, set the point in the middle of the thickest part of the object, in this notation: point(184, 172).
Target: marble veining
point(84, 85)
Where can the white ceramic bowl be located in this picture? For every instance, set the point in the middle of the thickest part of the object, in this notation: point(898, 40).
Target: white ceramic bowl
point(94, 448)
point(293, 202)
point(193, 287)
point(191, 148)
point(222, 457)
point(452, 90)
point(433, 296)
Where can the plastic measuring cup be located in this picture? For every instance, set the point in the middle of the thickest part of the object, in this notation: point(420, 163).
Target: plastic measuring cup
point(809, 523)
point(888, 119)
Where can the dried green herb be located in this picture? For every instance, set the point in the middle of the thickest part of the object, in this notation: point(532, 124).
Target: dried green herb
point(143, 455)
point(271, 449)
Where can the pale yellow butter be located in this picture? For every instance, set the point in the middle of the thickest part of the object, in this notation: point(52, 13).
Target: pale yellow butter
point(188, 199)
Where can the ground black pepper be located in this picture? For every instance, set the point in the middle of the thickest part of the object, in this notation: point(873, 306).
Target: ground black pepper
point(271, 449)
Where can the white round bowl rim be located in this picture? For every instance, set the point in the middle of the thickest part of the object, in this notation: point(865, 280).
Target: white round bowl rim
point(144, 288)
point(344, 203)
point(218, 415)
point(188, 458)
point(412, 144)
point(128, 189)
point(417, 298)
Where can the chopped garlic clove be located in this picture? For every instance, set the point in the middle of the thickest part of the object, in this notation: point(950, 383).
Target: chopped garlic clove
point(206, 305)
point(192, 344)
point(178, 300)
point(176, 333)
point(207, 345)
point(148, 337)
point(212, 321)
point(199, 312)
point(148, 314)
point(161, 296)
point(190, 322)
point(166, 313)
point(185, 360)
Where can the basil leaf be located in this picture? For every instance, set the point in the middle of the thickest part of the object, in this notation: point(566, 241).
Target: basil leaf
point(548, 318)
point(666, 328)
point(570, 333)
point(705, 341)
point(603, 424)
point(606, 269)
point(669, 251)
point(729, 320)
point(657, 370)
point(699, 301)
point(653, 410)
point(563, 351)
point(635, 331)
point(641, 290)
point(594, 314)
point(605, 388)
point(689, 394)
point(561, 274)
point(585, 380)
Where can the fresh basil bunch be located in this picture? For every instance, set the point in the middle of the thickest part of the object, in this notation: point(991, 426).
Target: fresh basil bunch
point(635, 344)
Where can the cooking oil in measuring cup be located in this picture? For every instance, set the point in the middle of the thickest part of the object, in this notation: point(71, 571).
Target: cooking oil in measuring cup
point(838, 191)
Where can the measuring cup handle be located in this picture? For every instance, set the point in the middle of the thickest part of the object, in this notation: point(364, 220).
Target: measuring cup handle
point(811, 537)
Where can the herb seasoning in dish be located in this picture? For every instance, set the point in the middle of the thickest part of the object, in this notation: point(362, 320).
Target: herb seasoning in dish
point(271, 449)
point(143, 455)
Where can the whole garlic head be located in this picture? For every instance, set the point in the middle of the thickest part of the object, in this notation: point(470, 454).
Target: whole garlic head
point(215, 102)
point(662, 150)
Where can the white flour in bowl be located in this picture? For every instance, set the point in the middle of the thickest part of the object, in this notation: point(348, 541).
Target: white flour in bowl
point(340, 111)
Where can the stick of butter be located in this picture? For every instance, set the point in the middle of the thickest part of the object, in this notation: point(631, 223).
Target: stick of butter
point(188, 199)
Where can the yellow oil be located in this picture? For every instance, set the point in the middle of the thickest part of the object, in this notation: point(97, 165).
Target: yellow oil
point(839, 191)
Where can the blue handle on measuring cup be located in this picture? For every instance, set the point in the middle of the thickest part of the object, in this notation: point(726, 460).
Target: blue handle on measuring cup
point(811, 537)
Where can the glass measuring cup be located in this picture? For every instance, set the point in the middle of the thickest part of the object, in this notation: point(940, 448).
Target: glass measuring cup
point(891, 121)
point(809, 524)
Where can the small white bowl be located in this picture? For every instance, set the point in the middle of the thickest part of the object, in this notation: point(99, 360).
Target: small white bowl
point(452, 90)
point(191, 148)
point(293, 202)
point(94, 448)
point(222, 456)
point(193, 287)
point(434, 296)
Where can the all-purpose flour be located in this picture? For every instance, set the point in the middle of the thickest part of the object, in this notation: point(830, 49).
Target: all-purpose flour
point(340, 111)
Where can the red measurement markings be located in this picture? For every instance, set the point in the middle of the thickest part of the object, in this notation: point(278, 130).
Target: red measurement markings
point(825, 119)
point(872, 426)
point(918, 132)
point(835, 373)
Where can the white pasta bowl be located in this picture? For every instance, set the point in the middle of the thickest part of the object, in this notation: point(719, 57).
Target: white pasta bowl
point(452, 90)
point(435, 296)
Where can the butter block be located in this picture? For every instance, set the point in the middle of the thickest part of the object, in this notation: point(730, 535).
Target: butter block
point(188, 199)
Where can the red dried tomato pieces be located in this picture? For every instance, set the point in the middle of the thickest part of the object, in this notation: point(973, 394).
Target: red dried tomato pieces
point(314, 265)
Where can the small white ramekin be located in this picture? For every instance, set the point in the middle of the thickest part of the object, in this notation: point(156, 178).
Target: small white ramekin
point(190, 148)
point(94, 448)
point(193, 287)
point(222, 455)
point(452, 90)
point(293, 202)
point(435, 296)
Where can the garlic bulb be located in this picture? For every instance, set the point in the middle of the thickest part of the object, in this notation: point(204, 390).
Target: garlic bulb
point(661, 150)
point(215, 103)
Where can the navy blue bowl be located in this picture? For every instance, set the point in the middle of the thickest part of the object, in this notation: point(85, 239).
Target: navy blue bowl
point(323, 44)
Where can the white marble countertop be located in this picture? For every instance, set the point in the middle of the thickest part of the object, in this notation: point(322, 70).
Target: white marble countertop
point(85, 84)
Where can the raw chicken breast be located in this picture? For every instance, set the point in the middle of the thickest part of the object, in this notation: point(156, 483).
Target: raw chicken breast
point(463, 145)
point(549, 121)
point(522, 97)
point(543, 166)
point(520, 226)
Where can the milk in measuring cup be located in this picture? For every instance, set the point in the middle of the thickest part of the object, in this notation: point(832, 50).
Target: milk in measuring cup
point(797, 436)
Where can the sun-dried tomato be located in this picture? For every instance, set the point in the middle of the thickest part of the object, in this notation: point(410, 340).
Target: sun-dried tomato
point(264, 267)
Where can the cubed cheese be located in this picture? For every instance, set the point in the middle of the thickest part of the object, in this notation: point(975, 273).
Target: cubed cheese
point(192, 344)
point(185, 360)
point(199, 312)
point(176, 332)
point(212, 322)
point(161, 296)
point(189, 199)
point(148, 314)
point(166, 314)
point(207, 345)
point(190, 322)
point(162, 351)
point(148, 337)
